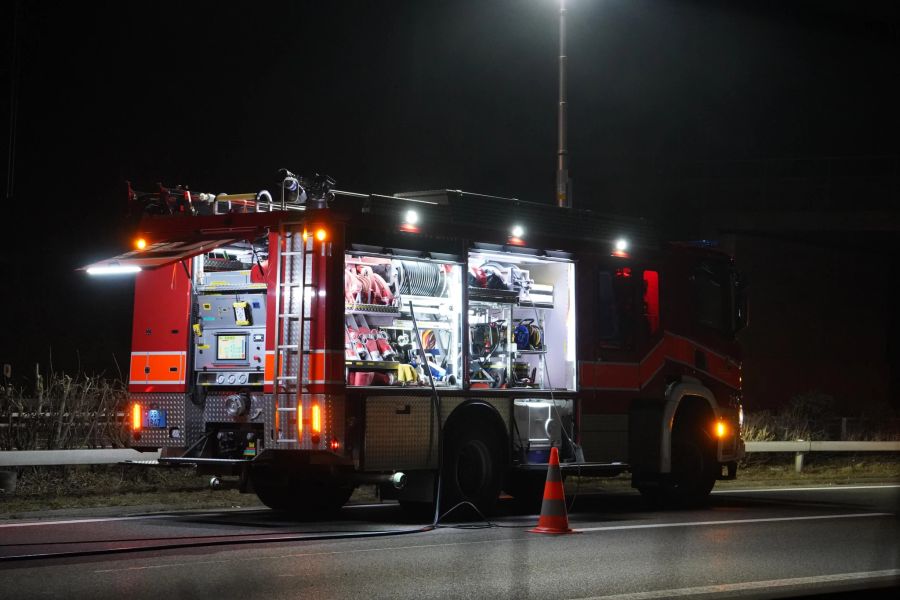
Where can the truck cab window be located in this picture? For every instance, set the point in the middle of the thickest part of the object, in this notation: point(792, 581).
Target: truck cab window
point(651, 301)
point(711, 296)
point(607, 318)
point(616, 308)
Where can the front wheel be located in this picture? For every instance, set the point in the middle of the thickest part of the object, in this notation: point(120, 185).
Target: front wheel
point(694, 468)
point(471, 469)
point(693, 475)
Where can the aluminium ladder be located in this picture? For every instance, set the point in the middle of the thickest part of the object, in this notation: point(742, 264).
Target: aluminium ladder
point(293, 324)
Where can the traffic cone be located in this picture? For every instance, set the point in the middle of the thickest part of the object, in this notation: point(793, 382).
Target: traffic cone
point(553, 509)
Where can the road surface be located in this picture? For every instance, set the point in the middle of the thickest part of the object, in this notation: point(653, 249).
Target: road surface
point(754, 543)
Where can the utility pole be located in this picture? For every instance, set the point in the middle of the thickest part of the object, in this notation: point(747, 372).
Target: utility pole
point(563, 198)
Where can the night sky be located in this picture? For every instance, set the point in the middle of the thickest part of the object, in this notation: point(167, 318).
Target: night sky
point(398, 96)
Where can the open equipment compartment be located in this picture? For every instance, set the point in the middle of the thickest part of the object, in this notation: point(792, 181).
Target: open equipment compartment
point(380, 342)
point(521, 321)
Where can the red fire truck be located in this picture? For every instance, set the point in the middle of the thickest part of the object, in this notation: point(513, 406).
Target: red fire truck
point(322, 339)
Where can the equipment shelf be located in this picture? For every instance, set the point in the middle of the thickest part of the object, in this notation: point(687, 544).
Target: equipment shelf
point(372, 364)
point(498, 296)
point(371, 309)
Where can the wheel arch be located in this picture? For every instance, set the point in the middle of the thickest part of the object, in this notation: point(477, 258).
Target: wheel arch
point(686, 399)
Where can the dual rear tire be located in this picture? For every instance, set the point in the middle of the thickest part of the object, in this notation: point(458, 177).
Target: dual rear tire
point(300, 496)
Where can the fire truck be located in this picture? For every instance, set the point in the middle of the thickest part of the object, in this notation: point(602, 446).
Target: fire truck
point(321, 339)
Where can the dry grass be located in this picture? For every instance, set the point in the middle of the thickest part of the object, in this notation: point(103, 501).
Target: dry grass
point(60, 411)
point(53, 488)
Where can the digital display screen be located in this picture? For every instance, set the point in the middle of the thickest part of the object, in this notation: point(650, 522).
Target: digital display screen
point(231, 347)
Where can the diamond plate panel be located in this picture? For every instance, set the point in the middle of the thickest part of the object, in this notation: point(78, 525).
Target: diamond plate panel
point(215, 411)
point(397, 433)
point(397, 429)
point(175, 406)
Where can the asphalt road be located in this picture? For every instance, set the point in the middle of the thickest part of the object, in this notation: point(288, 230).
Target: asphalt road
point(760, 543)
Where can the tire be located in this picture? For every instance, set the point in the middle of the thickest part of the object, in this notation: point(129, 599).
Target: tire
point(471, 470)
point(694, 469)
point(300, 497)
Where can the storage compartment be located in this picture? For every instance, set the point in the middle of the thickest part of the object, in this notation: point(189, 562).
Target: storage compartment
point(385, 297)
point(521, 321)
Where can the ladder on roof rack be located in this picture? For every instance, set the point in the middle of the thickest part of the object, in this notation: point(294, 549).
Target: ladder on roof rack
point(293, 324)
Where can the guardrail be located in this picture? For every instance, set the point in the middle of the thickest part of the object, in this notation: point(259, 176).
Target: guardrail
point(109, 456)
point(801, 447)
point(89, 456)
point(55, 458)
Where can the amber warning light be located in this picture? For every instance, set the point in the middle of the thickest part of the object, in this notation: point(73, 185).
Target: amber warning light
point(721, 429)
point(316, 419)
point(140, 243)
point(136, 417)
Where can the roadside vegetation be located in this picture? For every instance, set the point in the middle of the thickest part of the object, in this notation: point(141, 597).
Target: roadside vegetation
point(57, 411)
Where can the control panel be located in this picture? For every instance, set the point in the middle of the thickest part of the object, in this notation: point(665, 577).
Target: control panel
point(229, 334)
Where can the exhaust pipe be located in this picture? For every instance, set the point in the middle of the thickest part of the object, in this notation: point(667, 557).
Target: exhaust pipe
point(397, 479)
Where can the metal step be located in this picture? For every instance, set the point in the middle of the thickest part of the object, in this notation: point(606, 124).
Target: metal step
point(585, 469)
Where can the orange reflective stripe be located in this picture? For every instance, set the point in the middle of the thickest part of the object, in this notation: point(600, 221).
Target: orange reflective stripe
point(157, 367)
point(326, 365)
point(680, 349)
point(136, 373)
point(723, 370)
point(165, 368)
point(587, 375)
point(635, 376)
point(653, 363)
point(269, 368)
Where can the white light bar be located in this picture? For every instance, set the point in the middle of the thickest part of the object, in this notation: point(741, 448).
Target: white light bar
point(113, 270)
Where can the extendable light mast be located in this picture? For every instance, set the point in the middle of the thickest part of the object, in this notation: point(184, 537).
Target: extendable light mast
point(563, 198)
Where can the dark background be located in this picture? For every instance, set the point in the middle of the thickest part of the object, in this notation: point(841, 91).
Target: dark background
point(770, 125)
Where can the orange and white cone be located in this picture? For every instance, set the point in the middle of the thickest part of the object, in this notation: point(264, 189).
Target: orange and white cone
point(553, 509)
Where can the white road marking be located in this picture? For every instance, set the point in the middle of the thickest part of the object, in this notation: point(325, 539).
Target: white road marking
point(77, 521)
point(829, 488)
point(734, 521)
point(205, 513)
point(157, 516)
point(725, 588)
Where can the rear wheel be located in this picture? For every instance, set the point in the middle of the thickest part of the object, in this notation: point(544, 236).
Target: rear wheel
point(471, 469)
point(299, 496)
